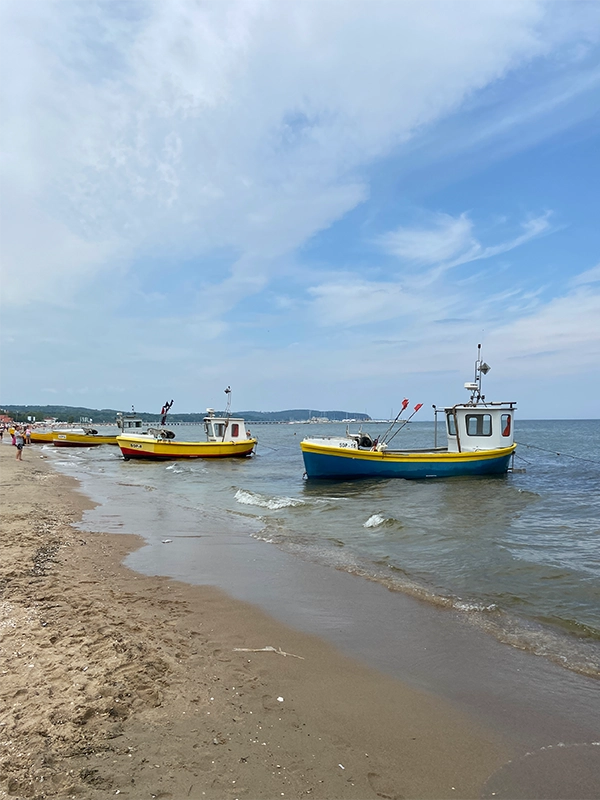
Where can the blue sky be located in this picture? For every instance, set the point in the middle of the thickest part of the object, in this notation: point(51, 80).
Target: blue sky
point(323, 204)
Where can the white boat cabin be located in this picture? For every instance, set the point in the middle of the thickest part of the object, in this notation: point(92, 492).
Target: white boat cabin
point(128, 422)
point(479, 426)
point(224, 429)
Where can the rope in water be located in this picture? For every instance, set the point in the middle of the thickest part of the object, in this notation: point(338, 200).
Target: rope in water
point(554, 453)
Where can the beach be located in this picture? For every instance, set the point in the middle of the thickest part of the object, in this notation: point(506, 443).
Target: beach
point(117, 683)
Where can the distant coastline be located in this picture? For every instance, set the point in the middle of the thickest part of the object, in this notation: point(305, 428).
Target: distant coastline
point(20, 413)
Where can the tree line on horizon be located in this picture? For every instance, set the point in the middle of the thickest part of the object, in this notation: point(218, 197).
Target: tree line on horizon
point(71, 414)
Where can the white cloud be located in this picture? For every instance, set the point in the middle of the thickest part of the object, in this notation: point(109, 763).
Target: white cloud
point(589, 276)
point(440, 241)
point(186, 128)
point(565, 327)
point(350, 300)
point(531, 229)
point(42, 257)
point(449, 242)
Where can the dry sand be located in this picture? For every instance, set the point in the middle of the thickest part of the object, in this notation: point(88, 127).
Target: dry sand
point(113, 683)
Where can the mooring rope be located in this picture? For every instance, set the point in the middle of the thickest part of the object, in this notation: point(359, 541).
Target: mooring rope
point(555, 453)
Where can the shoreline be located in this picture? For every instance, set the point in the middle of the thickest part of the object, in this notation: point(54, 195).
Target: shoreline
point(114, 681)
point(108, 673)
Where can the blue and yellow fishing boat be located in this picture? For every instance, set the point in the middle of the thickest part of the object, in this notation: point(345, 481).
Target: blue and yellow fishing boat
point(480, 441)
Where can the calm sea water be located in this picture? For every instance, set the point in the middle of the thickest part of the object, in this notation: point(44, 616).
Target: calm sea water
point(517, 555)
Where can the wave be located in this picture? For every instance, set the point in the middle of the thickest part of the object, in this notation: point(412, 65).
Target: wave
point(377, 520)
point(374, 521)
point(248, 498)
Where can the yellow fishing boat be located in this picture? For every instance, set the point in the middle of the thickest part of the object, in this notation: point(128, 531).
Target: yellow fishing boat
point(226, 437)
point(72, 437)
point(81, 437)
point(156, 445)
point(42, 436)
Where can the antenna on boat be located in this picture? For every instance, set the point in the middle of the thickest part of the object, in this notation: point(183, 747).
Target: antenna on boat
point(227, 410)
point(481, 368)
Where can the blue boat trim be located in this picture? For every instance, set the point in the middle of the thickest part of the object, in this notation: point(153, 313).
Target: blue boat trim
point(379, 465)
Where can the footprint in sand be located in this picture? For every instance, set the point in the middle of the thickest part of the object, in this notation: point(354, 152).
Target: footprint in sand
point(219, 655)
point(382, 788)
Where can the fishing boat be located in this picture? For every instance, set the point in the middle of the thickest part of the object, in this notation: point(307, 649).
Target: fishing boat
point(85, 436)
point(226, 437)
point(479, 433)
point(128, 422)
point(81, 437)
point(42, 436)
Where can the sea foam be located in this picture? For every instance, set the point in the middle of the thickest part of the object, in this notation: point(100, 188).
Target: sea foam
point(274, 503)
point(374, 521)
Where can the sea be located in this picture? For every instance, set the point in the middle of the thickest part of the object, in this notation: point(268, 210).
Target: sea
point(516, 556)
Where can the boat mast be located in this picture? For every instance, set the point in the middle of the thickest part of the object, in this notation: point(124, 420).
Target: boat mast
point(481, 369)
point(227, 411)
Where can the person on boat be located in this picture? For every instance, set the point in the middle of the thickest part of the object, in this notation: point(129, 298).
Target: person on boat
point(19, 443)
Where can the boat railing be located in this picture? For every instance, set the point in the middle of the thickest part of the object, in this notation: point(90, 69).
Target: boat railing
point(418, 450)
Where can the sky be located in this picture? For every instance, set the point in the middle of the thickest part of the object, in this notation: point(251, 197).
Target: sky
point(321, 203)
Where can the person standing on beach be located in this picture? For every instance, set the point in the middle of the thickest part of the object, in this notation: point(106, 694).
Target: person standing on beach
point(19, 442)
point(28, 435)
point(2, 429)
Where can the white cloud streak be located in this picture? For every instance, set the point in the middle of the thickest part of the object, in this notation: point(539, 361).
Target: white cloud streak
point(589, 276)
point(186, 128)
point(440, 241)
point(448, 241)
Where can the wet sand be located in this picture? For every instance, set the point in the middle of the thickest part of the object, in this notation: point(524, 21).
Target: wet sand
point(113, 682)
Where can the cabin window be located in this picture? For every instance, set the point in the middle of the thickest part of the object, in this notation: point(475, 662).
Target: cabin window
point(219, 429)
point(506, 424)
point(235, 430)
point(451, 424)
point(479, 424)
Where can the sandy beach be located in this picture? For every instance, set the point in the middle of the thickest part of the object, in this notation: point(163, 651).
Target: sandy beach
point(114, 683)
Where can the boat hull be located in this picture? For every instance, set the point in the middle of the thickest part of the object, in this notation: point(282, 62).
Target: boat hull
point(169, 449)
point(330, 462)
point(81, 440)
point(42, 436)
